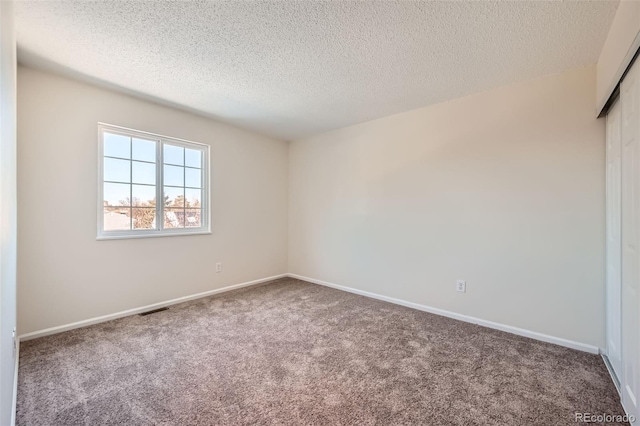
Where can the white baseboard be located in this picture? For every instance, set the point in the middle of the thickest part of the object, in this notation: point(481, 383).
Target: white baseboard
point(628, 413)
point(614, 378)
point(109, 317)
point(14, 403)
point(507, 328)
point(490, 324)
point(616, 383)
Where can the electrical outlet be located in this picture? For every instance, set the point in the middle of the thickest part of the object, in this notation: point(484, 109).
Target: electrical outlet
point(218, 267)
point(461, 286)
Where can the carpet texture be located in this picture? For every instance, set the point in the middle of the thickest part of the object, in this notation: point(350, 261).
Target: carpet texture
point(290, 352)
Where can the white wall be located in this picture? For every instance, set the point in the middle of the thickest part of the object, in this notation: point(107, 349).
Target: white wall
point(622, 42)
point(65, 275)
point(504, 189)
point(8, 212)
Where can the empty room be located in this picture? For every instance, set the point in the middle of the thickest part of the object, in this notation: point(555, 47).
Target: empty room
point(305, 212)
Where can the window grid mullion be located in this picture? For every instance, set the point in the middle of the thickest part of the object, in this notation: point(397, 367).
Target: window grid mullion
point(168, 186)
point(131, 183)
point(120, 158)
point(205, 181)
point(202, 190)
point(160, 186)
point(184, 184)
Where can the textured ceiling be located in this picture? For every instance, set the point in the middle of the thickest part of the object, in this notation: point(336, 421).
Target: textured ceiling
point(296, 68)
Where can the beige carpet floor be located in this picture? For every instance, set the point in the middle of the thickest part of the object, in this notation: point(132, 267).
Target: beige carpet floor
point(294, 353)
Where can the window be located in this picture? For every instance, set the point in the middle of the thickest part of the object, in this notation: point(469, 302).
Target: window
point(136, 169)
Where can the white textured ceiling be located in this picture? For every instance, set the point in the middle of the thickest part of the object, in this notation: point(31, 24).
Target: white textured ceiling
point(295, 68)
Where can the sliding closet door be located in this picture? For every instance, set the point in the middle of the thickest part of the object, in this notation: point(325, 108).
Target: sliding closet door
point(630, 100)
point(614, 242)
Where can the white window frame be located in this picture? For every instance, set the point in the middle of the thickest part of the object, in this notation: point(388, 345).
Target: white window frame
point(205, 216)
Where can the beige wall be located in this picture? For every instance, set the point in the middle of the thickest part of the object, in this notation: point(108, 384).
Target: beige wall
point(8, 211)
point(65, 275)
point(504, 189)
point(618, 50)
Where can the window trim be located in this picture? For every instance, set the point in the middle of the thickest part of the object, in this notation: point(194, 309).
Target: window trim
point(205, 215)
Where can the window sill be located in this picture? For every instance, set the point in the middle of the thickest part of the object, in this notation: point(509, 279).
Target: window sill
point(150, 235)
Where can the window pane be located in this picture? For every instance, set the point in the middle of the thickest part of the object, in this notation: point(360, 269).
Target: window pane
point(117, 145)
point(143, 195)
point(193, 157)
point(193, 197)
point(117, 170)
point(144, 173)
point(144, 218)
point(117, 219)
point(174, 176)
point(173, 154)
point(136, 191)
point(173, 197)
point(192, 178)
point(193, 218)
point(116, 194)
point(173, 218)
point(144, 150)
